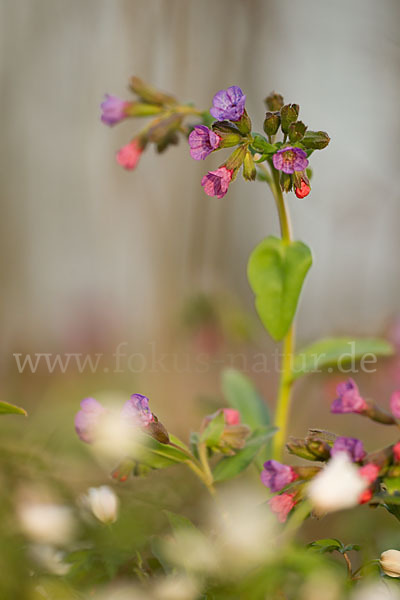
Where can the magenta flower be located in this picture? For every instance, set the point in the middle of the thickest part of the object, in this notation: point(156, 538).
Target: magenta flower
point(202, 142)
point(290, 160)
point(113, 110)
point(349, 399)
point(352, 446)
point(282, 505)
point(128, 156)
point(370, 472)
point(137, 410)
point(216, 183)
point(396, 452)
point(395, 404)
point(276, 476)
point(228, 104)
point(88, 418)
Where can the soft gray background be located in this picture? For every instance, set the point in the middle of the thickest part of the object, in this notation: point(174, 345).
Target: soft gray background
point(85, 245)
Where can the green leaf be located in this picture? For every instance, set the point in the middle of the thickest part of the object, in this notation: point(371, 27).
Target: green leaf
point(260, 144)
point(212, 433)
point(327, 545)
point(337, 352)
point(11, 409)
point(179, 522)
point(276, 273)
point(230, 466)
point(158, 456)
point(242, 395)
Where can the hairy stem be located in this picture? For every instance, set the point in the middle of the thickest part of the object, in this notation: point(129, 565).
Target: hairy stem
point(285, 383)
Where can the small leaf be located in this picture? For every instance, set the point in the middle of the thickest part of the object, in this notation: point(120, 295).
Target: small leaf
point(212, 433)
point(11, 409)
point(327, 545)
point(179, 522)
point(158, 456)
point(242, 395)
point(337, 352)
point(261, 145)
point(276, 273)
point(230, 466)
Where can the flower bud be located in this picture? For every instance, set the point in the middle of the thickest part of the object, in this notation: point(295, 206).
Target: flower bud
point(103, 502)
point(229, 134)
point(157, 430)
point(274, 101)
point(244, 124)
point(289, 114)
point(285, 182)
point(271, 123)
point(297, 131)
point(390, 563)
point(236, 159)
point(249, 168)
point(298, 447)
point(149, 94)
point(315, 140)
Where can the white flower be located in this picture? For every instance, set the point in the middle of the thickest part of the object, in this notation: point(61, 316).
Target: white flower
point(103, 502)
point(390, 563)
point(47, 523)
point(380, 590)
point(49, 558)
point(339, 485)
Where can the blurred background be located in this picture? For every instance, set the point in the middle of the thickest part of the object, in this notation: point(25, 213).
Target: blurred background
point(93, 256)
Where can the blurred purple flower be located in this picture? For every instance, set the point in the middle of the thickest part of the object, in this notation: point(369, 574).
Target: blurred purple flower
point(137, 410)
point(351, 446)
point(216, 183)
point(276, 476)
point(349, 399)
point(228, 104)
point(202, 142)
point(290, 159)
point(113, 110)
point(395, 404)
point(87, 419)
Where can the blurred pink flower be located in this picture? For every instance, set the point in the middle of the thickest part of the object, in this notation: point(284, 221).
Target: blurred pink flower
point(128, 156)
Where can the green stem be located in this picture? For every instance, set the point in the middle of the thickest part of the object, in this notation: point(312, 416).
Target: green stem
point(288, 346)
point(206, 467)
point(202, 468)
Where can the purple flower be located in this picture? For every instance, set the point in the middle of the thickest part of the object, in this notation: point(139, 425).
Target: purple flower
point(216, 183)
point(352, 446)
point(395, 404)
point(228, 104)
point(276, 476)
point(113, 110)
point(290, 160)
point(349, 399)
point(87, 419)
point(202, 142)
point(137, 410)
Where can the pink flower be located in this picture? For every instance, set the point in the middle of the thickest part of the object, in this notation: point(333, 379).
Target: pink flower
point(349, 399)
point(137, 409)
point(113, 110)
point(216, 183)
point(88, 418)
point(396, 452)
point(276, 476)
point(202, 142)
point(232, 416)
point(395, 404)
point(282, 505)
point(370, 472)
point(303, 190)
point(128, 156)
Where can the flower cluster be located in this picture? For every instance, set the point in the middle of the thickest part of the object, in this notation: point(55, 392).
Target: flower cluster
point(232, 127)
point(168, 116)
point(351, 475)
point(135, 412)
